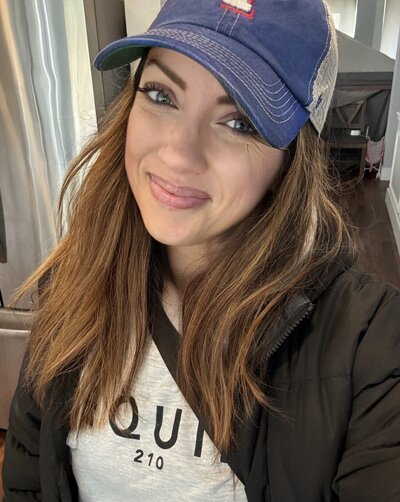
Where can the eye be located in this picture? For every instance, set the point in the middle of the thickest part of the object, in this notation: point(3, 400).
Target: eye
point(156, 94)
point(240, 125)
point(159, 97)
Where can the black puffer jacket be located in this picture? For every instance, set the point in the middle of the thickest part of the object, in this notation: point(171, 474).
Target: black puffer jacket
point(334, 369)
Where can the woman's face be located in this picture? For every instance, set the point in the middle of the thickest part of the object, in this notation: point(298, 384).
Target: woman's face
point(193, 163)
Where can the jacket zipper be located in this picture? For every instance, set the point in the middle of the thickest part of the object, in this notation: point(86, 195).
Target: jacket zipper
point(303, 313)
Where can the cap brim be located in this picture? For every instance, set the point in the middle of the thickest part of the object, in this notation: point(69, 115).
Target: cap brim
point(249, 80)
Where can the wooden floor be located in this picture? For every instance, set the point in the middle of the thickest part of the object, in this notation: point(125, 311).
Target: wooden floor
point(367, 210)
point(365, 204)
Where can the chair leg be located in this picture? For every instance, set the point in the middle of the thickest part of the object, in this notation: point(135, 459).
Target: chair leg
point(362, 161)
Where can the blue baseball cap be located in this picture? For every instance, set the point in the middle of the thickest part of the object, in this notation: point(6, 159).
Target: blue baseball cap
point(276, 58)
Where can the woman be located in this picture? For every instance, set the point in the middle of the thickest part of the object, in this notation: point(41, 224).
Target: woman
point(200, 334)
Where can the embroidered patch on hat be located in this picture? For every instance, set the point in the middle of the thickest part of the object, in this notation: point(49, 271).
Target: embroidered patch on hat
point(243, 7)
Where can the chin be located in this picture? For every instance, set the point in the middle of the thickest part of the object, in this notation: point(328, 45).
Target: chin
point(170, 237)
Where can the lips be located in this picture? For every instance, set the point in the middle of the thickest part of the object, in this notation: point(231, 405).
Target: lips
point(179, 191)
point(176, 197)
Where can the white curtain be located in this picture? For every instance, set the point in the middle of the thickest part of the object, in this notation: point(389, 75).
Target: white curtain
point(47, 111)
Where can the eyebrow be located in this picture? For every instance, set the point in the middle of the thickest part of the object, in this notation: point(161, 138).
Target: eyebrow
point(225, 100)
point(221, 100)
point(168, 72)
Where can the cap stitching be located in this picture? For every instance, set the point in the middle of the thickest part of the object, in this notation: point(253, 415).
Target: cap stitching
point(238, 65)
point(266, 110)
point(234, 24)
point(176, 34)
point(238, 76)
point(220, 21)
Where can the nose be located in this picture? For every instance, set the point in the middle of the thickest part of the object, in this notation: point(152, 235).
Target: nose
point(183, 148)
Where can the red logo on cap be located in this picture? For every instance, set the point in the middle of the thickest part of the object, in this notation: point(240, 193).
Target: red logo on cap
point(243, 7)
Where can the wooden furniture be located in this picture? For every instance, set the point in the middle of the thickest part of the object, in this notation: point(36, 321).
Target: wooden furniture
point(348, 135)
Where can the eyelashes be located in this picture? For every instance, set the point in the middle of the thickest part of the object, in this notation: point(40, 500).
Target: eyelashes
point(158, 95)
point(162, 96)
point(245, 128)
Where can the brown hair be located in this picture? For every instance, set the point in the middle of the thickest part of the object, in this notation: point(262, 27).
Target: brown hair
point(96, 309)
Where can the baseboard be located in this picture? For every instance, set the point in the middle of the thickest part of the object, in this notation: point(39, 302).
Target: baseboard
point(394, 215)
point(385, 173)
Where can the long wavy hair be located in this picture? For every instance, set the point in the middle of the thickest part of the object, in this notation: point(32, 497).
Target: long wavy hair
point(95, 311)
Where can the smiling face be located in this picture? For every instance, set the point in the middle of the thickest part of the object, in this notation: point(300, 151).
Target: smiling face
point(193, 162)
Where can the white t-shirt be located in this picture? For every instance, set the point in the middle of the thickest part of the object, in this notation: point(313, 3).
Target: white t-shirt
point(156, 450)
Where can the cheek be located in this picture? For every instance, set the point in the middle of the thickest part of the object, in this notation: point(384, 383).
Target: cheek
point(137, 148)
point(267, 168)
point(268, 175)
point(140, 138)
point(253, 175)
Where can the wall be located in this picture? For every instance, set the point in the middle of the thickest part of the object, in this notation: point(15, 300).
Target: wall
point(391, 130)
point(390, 28)
point(369, 22)
point(393, 192)
point(392, 151)
point(105, 22)
point(346, 9)
point(140, 15)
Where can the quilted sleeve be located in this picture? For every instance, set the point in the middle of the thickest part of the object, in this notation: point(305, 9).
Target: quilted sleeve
point(369, 470)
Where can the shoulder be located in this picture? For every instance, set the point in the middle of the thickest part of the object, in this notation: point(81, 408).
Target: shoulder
point(337, 380)
point(358, 318)
point(355, 320)
point(361, 283)
point(360, 298)
point(374, 422)
point(373, 308)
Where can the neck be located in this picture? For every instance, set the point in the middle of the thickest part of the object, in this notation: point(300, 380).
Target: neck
point(183, 263)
